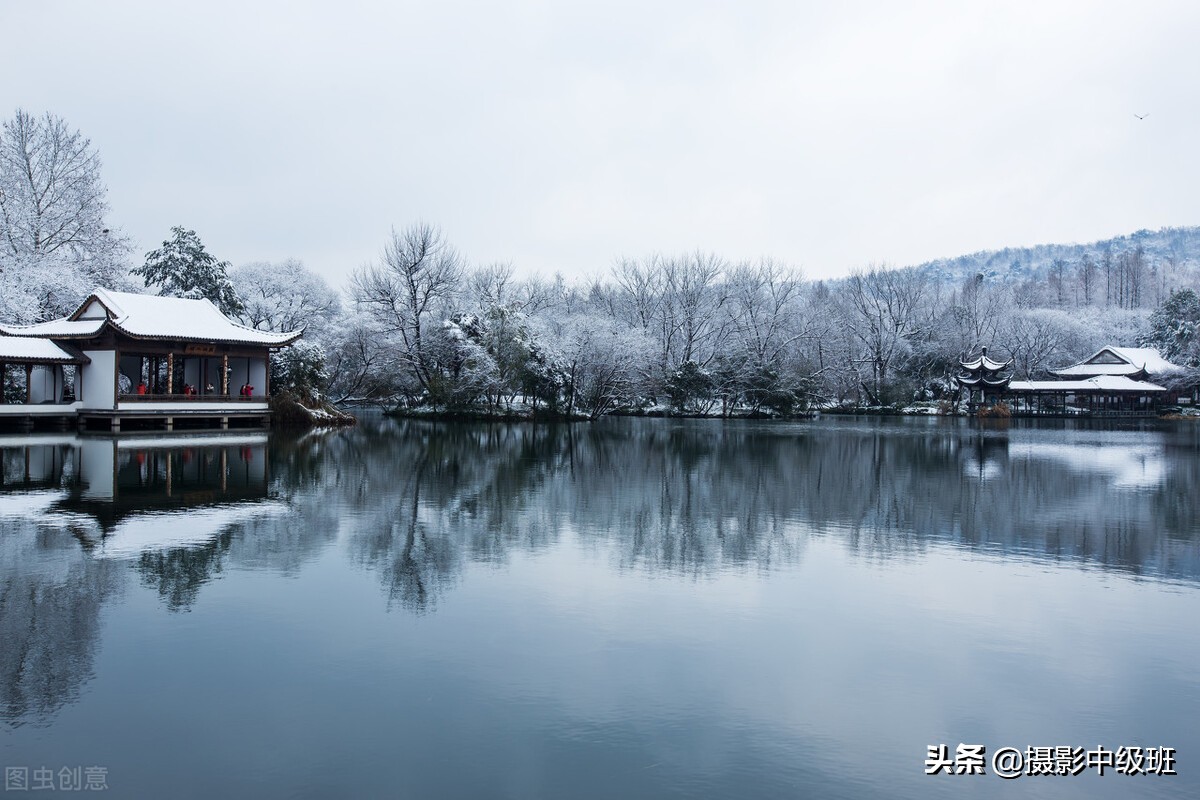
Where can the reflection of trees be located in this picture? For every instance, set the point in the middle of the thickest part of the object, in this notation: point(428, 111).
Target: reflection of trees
point(417, 502)
point(178, 573)
point(51, 595)
point(695, 497)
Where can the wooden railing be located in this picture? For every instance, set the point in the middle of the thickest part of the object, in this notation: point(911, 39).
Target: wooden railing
point(192, 398)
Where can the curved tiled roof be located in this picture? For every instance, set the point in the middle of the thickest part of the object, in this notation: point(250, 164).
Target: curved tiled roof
point(986, 363)
point(35, 350)
point(57, 329)
point(147, 316)
point(1121, 361)
point(1098, 383)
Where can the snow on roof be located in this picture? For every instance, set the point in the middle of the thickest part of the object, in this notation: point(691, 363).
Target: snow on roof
point(986, 363)
point(32, 350)
point(968, 381)
point(148, 316)
point(1148, 357)
point(1098, 383)
point(1089, 370)
point(56, 329)
point(1134, 359)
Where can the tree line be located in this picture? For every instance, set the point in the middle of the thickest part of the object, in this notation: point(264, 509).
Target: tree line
point(689, 333)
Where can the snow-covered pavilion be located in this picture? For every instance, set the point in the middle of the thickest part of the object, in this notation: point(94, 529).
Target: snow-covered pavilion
point(1113, 381)
point(144, 358)
point(983, 377)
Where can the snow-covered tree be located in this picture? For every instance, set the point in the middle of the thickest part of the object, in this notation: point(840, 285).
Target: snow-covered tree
point(604, 363)
point(362, 364)
point(300, 370)
point(460, 370)
point(677, 303)
point(183, 268)
point(1175, 328)
point(55, 243)
point(1041, 339)
point(407, 292)
point(885, 310)
point(284, 296)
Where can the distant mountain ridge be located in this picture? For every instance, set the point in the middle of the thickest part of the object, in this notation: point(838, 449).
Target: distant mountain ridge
point(1177, 248)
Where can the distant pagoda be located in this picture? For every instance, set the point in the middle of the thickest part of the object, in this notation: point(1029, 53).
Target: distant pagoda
point(985, 376)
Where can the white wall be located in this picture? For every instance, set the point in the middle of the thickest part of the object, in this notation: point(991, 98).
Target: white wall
point(45, 384)
point(94, 311)
point(99, 380)
point(258, 376)
point(239, 374)
point(97, 466)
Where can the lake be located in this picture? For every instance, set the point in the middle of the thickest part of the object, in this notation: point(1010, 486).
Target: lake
point(630, 608)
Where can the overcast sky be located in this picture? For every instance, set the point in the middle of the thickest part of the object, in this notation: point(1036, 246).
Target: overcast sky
point(559, 136)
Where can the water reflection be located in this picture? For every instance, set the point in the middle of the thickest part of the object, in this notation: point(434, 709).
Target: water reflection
point(412, 504)
point(696, 497)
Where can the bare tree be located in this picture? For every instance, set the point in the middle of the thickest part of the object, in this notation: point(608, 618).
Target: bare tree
point(692, 318)
point(417, 274)
point(1058, 280)
point(883, 309)
point(55, 245)
point(764, 312)
point(1039, 338)
point(676, 301)
point(284, 296)
point(492, 286)
point(1086, 272)
point(639, 296)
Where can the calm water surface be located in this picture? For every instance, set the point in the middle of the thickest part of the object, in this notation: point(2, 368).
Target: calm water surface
point(635, 608)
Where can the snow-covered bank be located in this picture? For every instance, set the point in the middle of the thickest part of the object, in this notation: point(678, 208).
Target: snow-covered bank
point(484, 414)
point(289, 411)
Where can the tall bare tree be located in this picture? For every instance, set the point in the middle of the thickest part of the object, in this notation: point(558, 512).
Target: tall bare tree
point(284, 296)
point(1086, 272)
point(55, 245)
point(884, 310)
point(417, 274)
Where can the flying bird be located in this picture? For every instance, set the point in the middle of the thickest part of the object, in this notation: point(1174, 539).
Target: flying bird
point(1141, 116)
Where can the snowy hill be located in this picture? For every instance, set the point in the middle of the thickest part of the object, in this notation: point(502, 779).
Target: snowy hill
point(1175, 248)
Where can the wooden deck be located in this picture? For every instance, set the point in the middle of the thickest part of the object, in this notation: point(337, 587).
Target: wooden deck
point(145, 413)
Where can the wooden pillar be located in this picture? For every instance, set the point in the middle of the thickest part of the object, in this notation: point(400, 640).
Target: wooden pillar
point(170, 373)
point(28, 384)
point(225, 374)
point(266, 392)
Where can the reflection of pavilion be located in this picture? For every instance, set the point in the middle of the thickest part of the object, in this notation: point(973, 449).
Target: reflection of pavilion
point(160, 510)
point(36, 462)
point(110, 480)
point(120, 477)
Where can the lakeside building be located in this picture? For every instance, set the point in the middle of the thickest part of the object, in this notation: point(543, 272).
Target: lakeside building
point(1114, 381)
point(141, 362)
point(983, 379)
